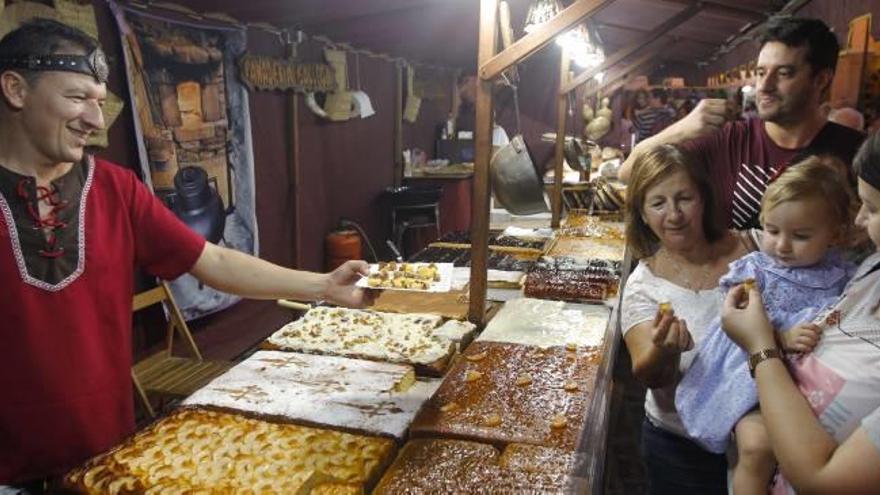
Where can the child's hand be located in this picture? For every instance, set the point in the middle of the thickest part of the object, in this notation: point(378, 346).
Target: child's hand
point(801, 338)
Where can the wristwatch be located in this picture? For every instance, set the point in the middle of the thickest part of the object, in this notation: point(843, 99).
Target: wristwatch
point(761, 356)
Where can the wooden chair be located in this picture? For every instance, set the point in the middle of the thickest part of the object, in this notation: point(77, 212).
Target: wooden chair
point(164, 374)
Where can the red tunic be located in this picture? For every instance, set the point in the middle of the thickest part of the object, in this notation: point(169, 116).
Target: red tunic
point(65, 356)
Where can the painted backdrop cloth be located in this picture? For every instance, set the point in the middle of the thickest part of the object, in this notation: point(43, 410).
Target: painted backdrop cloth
point(191, 110)
point(718, 390)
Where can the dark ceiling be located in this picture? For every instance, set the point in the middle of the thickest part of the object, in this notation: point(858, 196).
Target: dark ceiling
point(444, 32)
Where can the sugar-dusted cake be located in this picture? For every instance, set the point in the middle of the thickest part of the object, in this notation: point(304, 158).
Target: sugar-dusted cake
point(201, 451)
point(388, 337)
point(543, 323)
point(364, 396)
point(510, 393)
point(459, 332)
point(457, 466)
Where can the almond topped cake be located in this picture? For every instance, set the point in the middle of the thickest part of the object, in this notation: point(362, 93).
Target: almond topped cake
point(389, 337)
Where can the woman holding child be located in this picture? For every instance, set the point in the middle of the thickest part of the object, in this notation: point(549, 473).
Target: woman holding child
point(822, 411)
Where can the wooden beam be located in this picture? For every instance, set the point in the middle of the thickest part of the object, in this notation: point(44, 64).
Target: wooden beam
point(725, 10)
point(701, 41)
point(561, 111)
point(483, 149)
point(611, 88)
point(644, 57)
point(644, 40)
point(534, 41)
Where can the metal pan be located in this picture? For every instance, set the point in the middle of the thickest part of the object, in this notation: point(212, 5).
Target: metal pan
point(575, 156)
point(515, 183)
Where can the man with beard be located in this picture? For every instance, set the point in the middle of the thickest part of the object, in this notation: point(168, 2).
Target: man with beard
point(795, 67)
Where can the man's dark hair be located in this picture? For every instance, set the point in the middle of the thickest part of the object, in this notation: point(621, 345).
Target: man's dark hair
point(821, 43)
point(43, 37)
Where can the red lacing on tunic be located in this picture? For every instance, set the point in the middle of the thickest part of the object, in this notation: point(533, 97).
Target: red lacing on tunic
point(50, 223)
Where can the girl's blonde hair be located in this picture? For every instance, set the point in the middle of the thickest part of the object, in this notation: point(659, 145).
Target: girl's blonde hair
point(823, 177)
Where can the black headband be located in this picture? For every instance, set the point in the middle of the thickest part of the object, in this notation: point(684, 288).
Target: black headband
point(93, 64)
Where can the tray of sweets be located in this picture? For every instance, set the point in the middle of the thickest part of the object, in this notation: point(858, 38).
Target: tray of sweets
point(571, 279)
point(496, 240)
point(195, 450)
point(324, 391)
point(459, 466)
point(587, 248)
point(413, 338)
point(502, 393)
point(420, 277)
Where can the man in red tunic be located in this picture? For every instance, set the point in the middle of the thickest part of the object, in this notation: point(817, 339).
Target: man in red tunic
point(795, 67)
point(72, 230)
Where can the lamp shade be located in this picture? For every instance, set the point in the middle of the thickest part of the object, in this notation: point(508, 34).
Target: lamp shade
point(541, 11)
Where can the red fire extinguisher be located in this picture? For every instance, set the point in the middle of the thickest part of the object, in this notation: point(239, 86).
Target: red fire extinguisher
point(340, 246)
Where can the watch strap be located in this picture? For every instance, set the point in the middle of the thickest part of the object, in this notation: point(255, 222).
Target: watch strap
point(763, 355)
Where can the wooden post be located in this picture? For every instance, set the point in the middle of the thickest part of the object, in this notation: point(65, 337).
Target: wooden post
point(483, 149)
point(398, 125)
point(296, 187)
point(561, 111)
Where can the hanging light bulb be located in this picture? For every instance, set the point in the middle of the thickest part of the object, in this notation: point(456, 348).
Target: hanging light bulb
point(541, 11)
point(580, 47)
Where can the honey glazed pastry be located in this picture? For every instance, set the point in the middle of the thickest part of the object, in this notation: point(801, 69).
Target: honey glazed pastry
point(203, 451)
point(513, 394)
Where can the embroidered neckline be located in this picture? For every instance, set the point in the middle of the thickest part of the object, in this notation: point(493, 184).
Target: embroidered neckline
point(81, 237)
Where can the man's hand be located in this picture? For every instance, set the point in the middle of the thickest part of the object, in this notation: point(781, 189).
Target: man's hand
point(671, 334)
point(707, 117)
point(341, 290)
point(801, 338)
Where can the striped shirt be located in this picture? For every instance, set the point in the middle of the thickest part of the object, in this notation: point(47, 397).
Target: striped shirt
point(742, 159)
point(652, 120)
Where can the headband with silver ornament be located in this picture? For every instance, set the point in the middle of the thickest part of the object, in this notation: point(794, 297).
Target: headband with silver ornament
point(93, 64)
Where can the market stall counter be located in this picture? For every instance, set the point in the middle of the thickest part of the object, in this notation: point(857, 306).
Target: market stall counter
point(465, 406)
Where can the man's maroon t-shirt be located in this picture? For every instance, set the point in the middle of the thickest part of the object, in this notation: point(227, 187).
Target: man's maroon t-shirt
point(741, 159)
point(65, 357)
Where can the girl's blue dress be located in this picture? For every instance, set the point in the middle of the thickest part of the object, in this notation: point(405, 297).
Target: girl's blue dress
point(717, 390)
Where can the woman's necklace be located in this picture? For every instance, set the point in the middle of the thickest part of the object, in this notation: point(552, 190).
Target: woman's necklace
point(694, 281)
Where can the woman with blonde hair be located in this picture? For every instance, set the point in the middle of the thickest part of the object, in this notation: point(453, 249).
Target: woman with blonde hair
point(668, 302)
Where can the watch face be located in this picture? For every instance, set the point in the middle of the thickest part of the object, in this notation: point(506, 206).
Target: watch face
point(98, 64)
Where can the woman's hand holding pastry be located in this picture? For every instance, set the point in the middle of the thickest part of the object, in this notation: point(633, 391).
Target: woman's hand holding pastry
point(671, 334)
